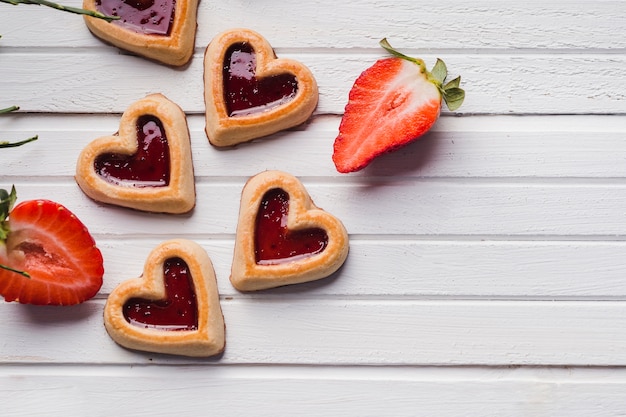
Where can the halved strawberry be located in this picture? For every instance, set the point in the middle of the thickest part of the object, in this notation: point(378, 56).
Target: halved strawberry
point(391, 104)
point(47, 256)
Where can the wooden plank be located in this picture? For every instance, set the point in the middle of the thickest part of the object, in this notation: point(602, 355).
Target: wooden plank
point(460, 24)
point(100, 82)
point(318, 331)
point(397, 207)
point(558, 270)
point(319, 391)
point(478, 146)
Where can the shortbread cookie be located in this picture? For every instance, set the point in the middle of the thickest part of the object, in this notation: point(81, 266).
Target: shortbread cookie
point(162, 30)
point(282, 237)
point(147, 165)
point(249, 92)
point(173, 307)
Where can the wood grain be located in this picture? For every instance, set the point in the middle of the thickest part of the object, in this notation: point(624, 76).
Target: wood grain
point(90, 82)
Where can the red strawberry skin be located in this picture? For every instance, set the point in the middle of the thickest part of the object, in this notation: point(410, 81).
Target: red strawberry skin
point(55, 248)
point(391, 104)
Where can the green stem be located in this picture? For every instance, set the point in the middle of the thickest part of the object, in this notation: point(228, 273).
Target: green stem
point(17, 271)
point(61, 7)
point(9, 109)
point(387, 46)
point(16, 144)
point(21, 142)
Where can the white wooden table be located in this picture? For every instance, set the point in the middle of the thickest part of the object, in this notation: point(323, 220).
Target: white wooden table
point(487, 271)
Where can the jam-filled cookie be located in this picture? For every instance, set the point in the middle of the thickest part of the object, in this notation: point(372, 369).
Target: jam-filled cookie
point(172, 308)
point(162, 30)
point(147, 165)
point(249, 92)
point(282, 237)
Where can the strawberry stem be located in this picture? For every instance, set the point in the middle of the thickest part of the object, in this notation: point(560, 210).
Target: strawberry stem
point(387, 46)
point(9, 109)
point(19, 143)
point(17, 271)
point(61, 7)
point(452, 94)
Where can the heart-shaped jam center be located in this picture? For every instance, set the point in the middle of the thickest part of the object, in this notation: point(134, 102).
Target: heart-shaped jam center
point(178, 311)
point(151, 17)
point(246, 94)
point(148, 167)
point(274, 242)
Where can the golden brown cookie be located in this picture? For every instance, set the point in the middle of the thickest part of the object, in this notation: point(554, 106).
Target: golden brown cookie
point(173, 307)
point(249, 92)
point(162, 30)
point(282, 237)
point(147, 165)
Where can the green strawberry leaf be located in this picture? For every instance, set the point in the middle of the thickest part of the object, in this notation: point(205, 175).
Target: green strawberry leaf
point(453, 84)
point(7, 200)
point(439, 71)
point(453, 97)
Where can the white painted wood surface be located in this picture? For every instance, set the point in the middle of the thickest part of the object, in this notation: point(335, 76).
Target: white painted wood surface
point(486, 275)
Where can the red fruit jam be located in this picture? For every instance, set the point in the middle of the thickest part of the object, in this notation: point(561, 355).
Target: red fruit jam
point(274, 243)
point(179, 310)
point(149, 167)
point(151, 17)
point(246, 94)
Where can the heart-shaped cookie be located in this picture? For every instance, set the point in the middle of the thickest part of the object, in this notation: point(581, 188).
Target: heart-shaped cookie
point(147, 165)
point(173, 307)
point(282, 237)
point(162, 30)
point(249, 92)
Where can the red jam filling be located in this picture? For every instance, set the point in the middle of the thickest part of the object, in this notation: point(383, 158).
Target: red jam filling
point(244, 93)
point(150, 17)
point(148, 167)
point(274, 243)
point(178, 311)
